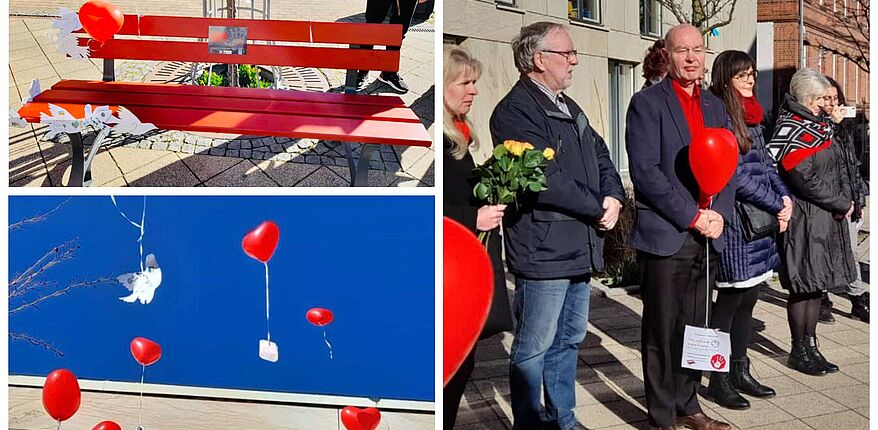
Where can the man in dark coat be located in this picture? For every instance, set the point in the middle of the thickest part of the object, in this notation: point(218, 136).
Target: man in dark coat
point(670, 230)
point(554, 240)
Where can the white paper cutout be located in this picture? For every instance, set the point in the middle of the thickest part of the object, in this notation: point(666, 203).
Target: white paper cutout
point(60, 121)
point(99, 118)
point(32, 92)
point(268, 350)
point(68, 22)
point(130, 124)
point(69, 46)
point(15, 120)
point(142, 284)
point(65, 40)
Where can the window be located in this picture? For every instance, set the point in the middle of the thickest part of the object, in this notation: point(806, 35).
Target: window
point(650, 17)
point(584, 10)
point(834, 75)
point(621, 90)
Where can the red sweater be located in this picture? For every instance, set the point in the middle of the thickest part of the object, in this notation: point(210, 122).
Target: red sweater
point(691, 105)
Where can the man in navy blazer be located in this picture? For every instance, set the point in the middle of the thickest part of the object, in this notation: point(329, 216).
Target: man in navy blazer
point(671, 229)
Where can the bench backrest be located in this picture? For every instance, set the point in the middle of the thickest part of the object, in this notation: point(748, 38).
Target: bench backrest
point(351, 57)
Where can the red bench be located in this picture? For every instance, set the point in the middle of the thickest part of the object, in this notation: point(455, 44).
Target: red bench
point(368, 119)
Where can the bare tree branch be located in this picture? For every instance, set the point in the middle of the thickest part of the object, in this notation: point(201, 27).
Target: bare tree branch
point(22, 283)
point(36, 342)
point(60, 292)
point(38, 218)
point(707, 15)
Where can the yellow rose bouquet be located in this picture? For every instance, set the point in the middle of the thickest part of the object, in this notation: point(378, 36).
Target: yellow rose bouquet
point(515, 168)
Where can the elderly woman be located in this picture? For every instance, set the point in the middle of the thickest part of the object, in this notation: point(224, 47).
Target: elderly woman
point(816, 251)
point(461, 73)
point(745, 262)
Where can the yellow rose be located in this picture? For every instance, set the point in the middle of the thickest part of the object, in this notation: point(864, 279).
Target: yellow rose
point(528, 146)
point(549, 153)
point(514, 147)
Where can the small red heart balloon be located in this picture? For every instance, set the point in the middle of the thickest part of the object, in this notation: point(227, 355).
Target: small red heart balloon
point(360, 419)
point(100, 19)
point(261, 242)
point(468, 287)
point(713, 157)
point(61, 395)
point(319, 316)
point(107, 425)
point(145, 351)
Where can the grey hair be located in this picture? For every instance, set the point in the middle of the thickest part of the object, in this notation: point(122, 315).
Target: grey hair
point(529, 42)
point(808, 84)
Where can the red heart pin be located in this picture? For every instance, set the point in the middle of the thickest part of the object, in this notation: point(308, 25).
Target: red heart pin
point(468, 287)
point(100, 19)
point(145, 351)
point(261, 242)
point(107, 425)
point(360, 419)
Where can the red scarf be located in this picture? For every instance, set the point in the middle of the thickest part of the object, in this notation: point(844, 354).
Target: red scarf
point(752, 109)
point(462, 127)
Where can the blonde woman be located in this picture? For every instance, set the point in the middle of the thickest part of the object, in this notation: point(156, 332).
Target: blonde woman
point(461, 73)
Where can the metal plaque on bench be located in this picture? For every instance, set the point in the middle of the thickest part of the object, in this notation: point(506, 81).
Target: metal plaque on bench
point(227, 40)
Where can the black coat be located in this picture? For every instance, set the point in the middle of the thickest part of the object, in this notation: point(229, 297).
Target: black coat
point(552, 235)
point(816, 251)
point(657, 138)
point(460, 205)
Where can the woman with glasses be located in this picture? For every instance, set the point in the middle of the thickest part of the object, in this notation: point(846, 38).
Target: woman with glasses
point(744, 264)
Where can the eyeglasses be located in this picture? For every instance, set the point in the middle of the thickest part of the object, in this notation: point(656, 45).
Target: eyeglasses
point(745, 76)
point(683, 50)
point(567, 54)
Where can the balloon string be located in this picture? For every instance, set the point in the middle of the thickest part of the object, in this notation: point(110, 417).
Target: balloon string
point(140, 418)
point(267, 320)
point(328, 345)
point(59, 425)
point(139, 226)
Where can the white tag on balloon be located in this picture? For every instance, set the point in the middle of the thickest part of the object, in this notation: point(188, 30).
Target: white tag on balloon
point(706, 349)
point(268, 350)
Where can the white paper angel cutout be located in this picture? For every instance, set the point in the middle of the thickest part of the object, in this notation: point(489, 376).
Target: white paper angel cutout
point(69, 46)
point(32, 92)
point(99, 118)
point(15, 120)
point(68, 22)
point(142, 284)
point(130, 124)
point(60, 121)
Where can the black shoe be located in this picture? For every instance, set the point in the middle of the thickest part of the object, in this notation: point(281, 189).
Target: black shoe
point(722, 392)
point(744, 382)
point(811, 349)
point(860, 308)
point(800, 360)
point(361, 78)
point(826, 310)
point(394, 80)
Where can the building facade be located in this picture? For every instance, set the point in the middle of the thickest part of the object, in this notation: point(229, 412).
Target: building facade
point(612, 37)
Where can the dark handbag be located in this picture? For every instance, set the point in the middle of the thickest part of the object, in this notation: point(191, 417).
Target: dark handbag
point(755, 223)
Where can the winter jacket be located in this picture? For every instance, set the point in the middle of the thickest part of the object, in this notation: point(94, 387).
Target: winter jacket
point(552, 234)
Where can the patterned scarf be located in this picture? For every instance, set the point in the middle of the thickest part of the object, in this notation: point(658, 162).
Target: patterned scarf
point(796, 137)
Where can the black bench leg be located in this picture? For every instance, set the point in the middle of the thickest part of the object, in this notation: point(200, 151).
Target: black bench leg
point(109, 70)
point(78, 161)
point(360, 170)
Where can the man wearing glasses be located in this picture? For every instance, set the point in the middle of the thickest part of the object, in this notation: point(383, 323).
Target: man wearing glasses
point(671, 227)
point(554, 240)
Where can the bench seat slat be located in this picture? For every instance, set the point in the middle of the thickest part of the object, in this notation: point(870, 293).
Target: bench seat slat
point(172, 101)
point(264, 124)
point(302, 56)
point(244, 93)
point(270, 30)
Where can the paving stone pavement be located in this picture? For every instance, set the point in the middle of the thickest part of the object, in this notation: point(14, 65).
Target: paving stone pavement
point(609, 391)
point(173, 158)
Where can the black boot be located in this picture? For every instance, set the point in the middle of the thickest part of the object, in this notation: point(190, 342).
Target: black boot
point(826, 310)
point(860, 308)
point(800, 360)
point(744, 382)
point(722, 392)
point(816, 356)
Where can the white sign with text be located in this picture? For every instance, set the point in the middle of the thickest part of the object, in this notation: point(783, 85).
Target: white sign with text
point(706, 349)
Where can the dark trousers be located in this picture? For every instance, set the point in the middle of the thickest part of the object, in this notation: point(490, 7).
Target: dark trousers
point(453, 391)
point(401, 13)
point(674, 294)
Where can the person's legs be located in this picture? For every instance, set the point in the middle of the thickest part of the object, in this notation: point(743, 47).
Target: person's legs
point(857, 291)
point(802, 312)
point(724, 313)
point(559, 373)
point(811, 343)
point(740, 329)
point(694, 312)
point(537, 305)
point(453, 391)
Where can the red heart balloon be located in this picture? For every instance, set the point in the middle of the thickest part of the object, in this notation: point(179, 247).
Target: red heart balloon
point(360, 419)
point(61, 395)
point(319, 316)
point(107, 425)
point(145, 351)
point(468, 287)
point(261, 242)
point(100, 19)
point(713, 157)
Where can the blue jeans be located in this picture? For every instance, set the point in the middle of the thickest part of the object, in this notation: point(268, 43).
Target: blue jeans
point(551, 320)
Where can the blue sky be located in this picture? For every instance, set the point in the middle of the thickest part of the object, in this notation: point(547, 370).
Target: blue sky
point(368, 259)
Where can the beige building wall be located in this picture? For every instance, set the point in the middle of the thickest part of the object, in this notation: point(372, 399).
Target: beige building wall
point(486, 28)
